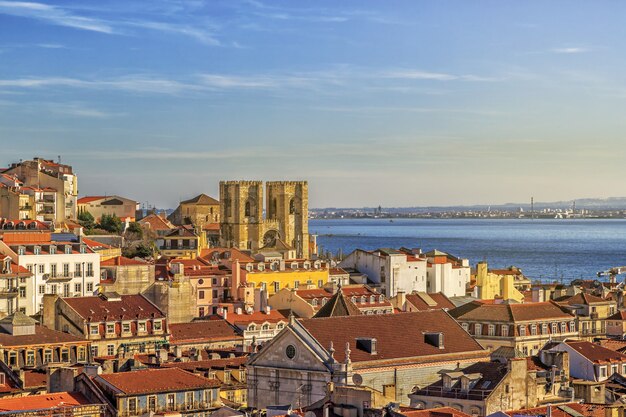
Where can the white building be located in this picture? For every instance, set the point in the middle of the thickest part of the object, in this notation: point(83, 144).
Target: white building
point(68, 268)
point(411, 270)
point(590, 361)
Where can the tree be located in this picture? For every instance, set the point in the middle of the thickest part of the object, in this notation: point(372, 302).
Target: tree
point(141, 250)
point(111, 223)
point(134, 231)
point(86, 220)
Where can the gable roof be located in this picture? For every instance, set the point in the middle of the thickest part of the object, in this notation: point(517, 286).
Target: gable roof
point(156, 222)
point(202, 199)
point(98, 308)
point(425, 301)
point(580, 298)
point(596, 353)
point(338, 305)
point(43, 401)
point(478, 310)
point(157, 380)
point(398, 335)
point(202, 331)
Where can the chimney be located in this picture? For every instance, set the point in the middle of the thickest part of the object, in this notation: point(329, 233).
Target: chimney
point(401, 300)
point(178, 351)
point(225, 312)
point(281, 265)
point(162, 355)
point(434, 339)
point(236, 278)
point(239, 311)
point(268, 309)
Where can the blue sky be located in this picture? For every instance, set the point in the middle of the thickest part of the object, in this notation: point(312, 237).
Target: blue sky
point(395, 103)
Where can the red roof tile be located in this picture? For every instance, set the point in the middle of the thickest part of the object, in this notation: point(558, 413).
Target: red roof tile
point(398, 335)
point(202, 331)
point(274, 316)
point(157, 380)
point(97, 309)
point(42, 402)
point(122, 261)
point(596, 353)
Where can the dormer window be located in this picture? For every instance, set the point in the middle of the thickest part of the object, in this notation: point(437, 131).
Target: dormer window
point(68, 249)
point(53, 249)
point(372, 299)
point(22, 250)
point(353, 299)
point(363, 299)
point(249, 267)
point(314, 302)
point(324, 300)
point(83, 249)
point(381, 298)
point(251, 327)
point(307, 265)
point(261, 267)
point(294, 265)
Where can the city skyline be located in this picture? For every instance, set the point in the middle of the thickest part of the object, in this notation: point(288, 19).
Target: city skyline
point(371, 102)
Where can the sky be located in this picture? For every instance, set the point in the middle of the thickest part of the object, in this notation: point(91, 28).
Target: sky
point(392, 103)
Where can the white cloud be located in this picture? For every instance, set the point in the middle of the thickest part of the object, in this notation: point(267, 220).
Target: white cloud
point(571, 50)
point(53, 15)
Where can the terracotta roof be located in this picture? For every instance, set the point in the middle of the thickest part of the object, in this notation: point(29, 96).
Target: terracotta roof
point(563, 410)
point(156, 222)
point(620, 315)
point(208, 364)
point(43, 401)
point(89, 199)
point(580, 298)
point(202, 199)
point(157, 380)
point(486, 376)
point(257, 317)
point(202, 331)
point(480, 311)
point(181, 231)
point(42, 336)
point(33, 378)
point(596, 353)
point(431, 412)
point(614, 344)
point(97, 308)
point(122, 261)
point(422, 301)
point(211, 227)
point(398, 335)
point(338, 305)
point(337, 271)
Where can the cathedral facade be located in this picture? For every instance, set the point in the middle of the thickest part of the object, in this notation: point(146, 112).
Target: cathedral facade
point(244, 226)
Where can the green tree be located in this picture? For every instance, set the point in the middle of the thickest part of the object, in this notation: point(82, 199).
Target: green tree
point(111, 223)
point(86, 220)
point(134, 231)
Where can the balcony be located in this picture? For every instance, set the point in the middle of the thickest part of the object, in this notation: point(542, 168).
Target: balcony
point(8, 292)
point(593, 316)
point(472, 395)
point(183, 408)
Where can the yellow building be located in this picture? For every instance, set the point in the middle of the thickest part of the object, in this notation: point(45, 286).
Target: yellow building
point(497, 283)
point(278, 274)
point(183, 242)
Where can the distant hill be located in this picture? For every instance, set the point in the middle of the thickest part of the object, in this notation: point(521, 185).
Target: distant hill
point(612, 203)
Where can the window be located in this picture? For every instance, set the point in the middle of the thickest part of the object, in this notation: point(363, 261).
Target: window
point(572, 326)
point(505, 330)
point(265, 327)
point(320, 283)
point(171, 401)
point(522, 332)
point(126, 327)
point(12, 358)
point(189, 398)
point(47, 356)
point(53, 288)
point(22, 292)
point(89, 269)
point(201, 294)
point(94, 329)
point(42, 269)
point(314, 302)
point(68, 251)
point(563, 327)
point(141, 326)
point(478, 329)
point(78, 287)
point(110, 328)
point(296, 284)
point(53, 270)
point(465, 326)
point(94, 351)
point(30, 268)
point(90, 287)
point(65, 355)
point(132, 406)
point(30, 358)
point(533, 329)
point(110, 350)
point(553, 328)
point(152, 403)
point(66, 270)
point(81, 354)
point(208, 395)
point(491, 330)
point(603, 372)
point(77, 269)
point(251, 328)
point(22, 280)
point(157, 325)
point(544, 328)
point(42, 289)
point(201, 312)
point(276, 286)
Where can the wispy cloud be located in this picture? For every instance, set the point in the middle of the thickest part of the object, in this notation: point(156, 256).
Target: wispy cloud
point(570, 50)
point(408, 74)
point(53, 15)
point(204, 35)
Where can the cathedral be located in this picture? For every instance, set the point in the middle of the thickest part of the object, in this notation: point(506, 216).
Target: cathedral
point(243, 225)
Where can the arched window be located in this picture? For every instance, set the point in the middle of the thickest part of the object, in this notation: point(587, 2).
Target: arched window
point(314, 302)
point(292, 206)
point(273, 208)
point(247, 213)
point(363, 300)
point(265, 327)
point(372, 299)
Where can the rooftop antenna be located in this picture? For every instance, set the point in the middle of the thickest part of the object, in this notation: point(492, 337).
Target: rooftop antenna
point(59, 156)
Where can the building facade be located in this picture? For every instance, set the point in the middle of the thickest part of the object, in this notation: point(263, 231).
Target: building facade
point(97, 206)
point(241, 211)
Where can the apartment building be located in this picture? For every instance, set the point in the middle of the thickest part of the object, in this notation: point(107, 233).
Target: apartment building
point(97, 206)
point(59, 263)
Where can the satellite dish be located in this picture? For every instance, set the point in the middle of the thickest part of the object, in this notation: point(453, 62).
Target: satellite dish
point(357, 379)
